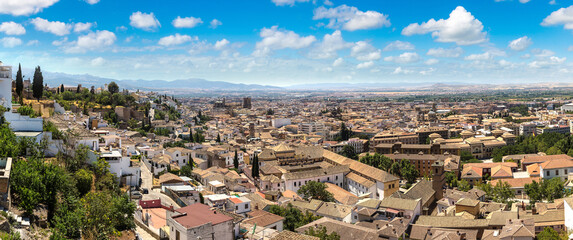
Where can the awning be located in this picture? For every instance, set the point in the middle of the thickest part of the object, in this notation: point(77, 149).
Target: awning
point(390, 210)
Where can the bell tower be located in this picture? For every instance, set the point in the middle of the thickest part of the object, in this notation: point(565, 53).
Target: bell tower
point(438, 180)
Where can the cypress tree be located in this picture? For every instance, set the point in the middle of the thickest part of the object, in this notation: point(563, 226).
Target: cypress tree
point(236, 160)
point(19, 82)
point(38, 84)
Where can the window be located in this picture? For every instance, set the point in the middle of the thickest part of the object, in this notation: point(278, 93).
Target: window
point(328, 179)
point(336, 177)
point(565, 171)
point(556, 172)
point(237, 207)
point(548, 174)
point(295, 184)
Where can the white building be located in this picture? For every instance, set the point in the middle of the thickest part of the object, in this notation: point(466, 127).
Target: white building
point(556, 168)
point(280, 122)
point(198, 221)
point(238, 205)
point(127, 171)
point(568, 212)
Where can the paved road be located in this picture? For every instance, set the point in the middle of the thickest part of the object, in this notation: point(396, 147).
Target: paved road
point(147, 182)
point(143, 235)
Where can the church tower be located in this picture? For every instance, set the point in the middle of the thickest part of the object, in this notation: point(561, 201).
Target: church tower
point(438, 179)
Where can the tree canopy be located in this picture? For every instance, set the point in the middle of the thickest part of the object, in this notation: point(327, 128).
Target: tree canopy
point(315, 190)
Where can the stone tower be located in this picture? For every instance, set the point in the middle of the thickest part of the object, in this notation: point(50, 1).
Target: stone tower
point(438, 179)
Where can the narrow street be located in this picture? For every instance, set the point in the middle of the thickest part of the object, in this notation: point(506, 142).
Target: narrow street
point(147, 182)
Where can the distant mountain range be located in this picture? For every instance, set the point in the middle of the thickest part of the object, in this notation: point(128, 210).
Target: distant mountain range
point(55, 79)
point(201, 85)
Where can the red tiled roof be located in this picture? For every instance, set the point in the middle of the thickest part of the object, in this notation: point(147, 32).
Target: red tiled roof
point(198, 214)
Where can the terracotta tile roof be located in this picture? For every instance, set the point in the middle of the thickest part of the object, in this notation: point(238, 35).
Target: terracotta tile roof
point(169, 178)
point(262, 218)
point(516, 182)
point(341, 195)
point(540, 159)
point(359, 179)
point(198, 214)
point(288, 235)
point(557, 163)
point(533, 170)
point(345, 230)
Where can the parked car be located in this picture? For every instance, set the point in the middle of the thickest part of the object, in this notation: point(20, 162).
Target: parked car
point(136, 195)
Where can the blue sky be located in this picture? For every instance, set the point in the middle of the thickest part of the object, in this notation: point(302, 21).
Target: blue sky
point(285, 42)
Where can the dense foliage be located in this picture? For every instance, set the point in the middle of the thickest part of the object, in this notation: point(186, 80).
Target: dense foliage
point(315, 190)
point(378, 161)
point(320, 232)
point(545, 190)
point(294, 218)
point(549, 143)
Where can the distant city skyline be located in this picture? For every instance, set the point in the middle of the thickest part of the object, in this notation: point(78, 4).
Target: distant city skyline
point(288, 42)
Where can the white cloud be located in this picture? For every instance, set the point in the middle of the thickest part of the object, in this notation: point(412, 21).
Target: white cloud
point(328, 3)
point(331, 43)
point(55, 27)
point(338, 62)
point(92, 2)
point(552, 2)
point(287, 2)
point(524, 1)
point(221, 44)
point(12, 28)
point(187, 22)
point(145, 21)
point(215, 23)
point(427, 72)
point(176, 39)
point(276, 39)
point(24, 7)
point(570, 48)
point(461, 27)
point(520, 44)
point(542, 52)
point(10, 42)
point(551, 61)
point(81, 27)
point(365, 65)
point(97, 61)
point(400, 70)
point(350, 18)
point(399, 45)
point(488, 55)
point(445, 52)
point(563, 16)
point(363, 51)
point(33, 43)
point(432, 61)
point(92, 41)
point(407, 57)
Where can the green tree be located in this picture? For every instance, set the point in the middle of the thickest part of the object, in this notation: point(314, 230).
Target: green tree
point(349, 152)
point(19, 83)
point(502, 192)
point(236, 160)
point(84, 179)
point(451, 179)
point(534, 191)
point(345, 133)
point(320, 232)
point(38, 84)
point(466, 156)
point(463, 185)
point(294, 218)
point(187, 169)
point(79, 159)
point(553, 189)
point(255, 166)
point(378, 161)
point(548, 233)
point(315, 190)
point(218, 138)
point(405, 170)
point(112, 87)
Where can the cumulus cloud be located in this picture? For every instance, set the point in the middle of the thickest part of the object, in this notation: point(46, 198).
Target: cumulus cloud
point(338, 62)
point(365, 65)
point(215, 23)
point(145, 21)
point(399, 45)
point(92, 2)
point(329, 46)
point(488, 55)
point(97, 61)
point(551, 61)
point(350, 18)
point(92, 41)
point(12, 28)
point(276, 39)
point(10, 42)
point(287, 2)
point(461, 27)
point(176, 39)
point(24, 7)
point(520, 44)
point(521, 1)
point(81, 27)
point(445, 52)
point(400, 70)
point(432, 61)
point(186, 22)
point(364, 51)
point(563, 16)
point(55, 27)
point(221, 44)
point(407, 57)
point(542, 52)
